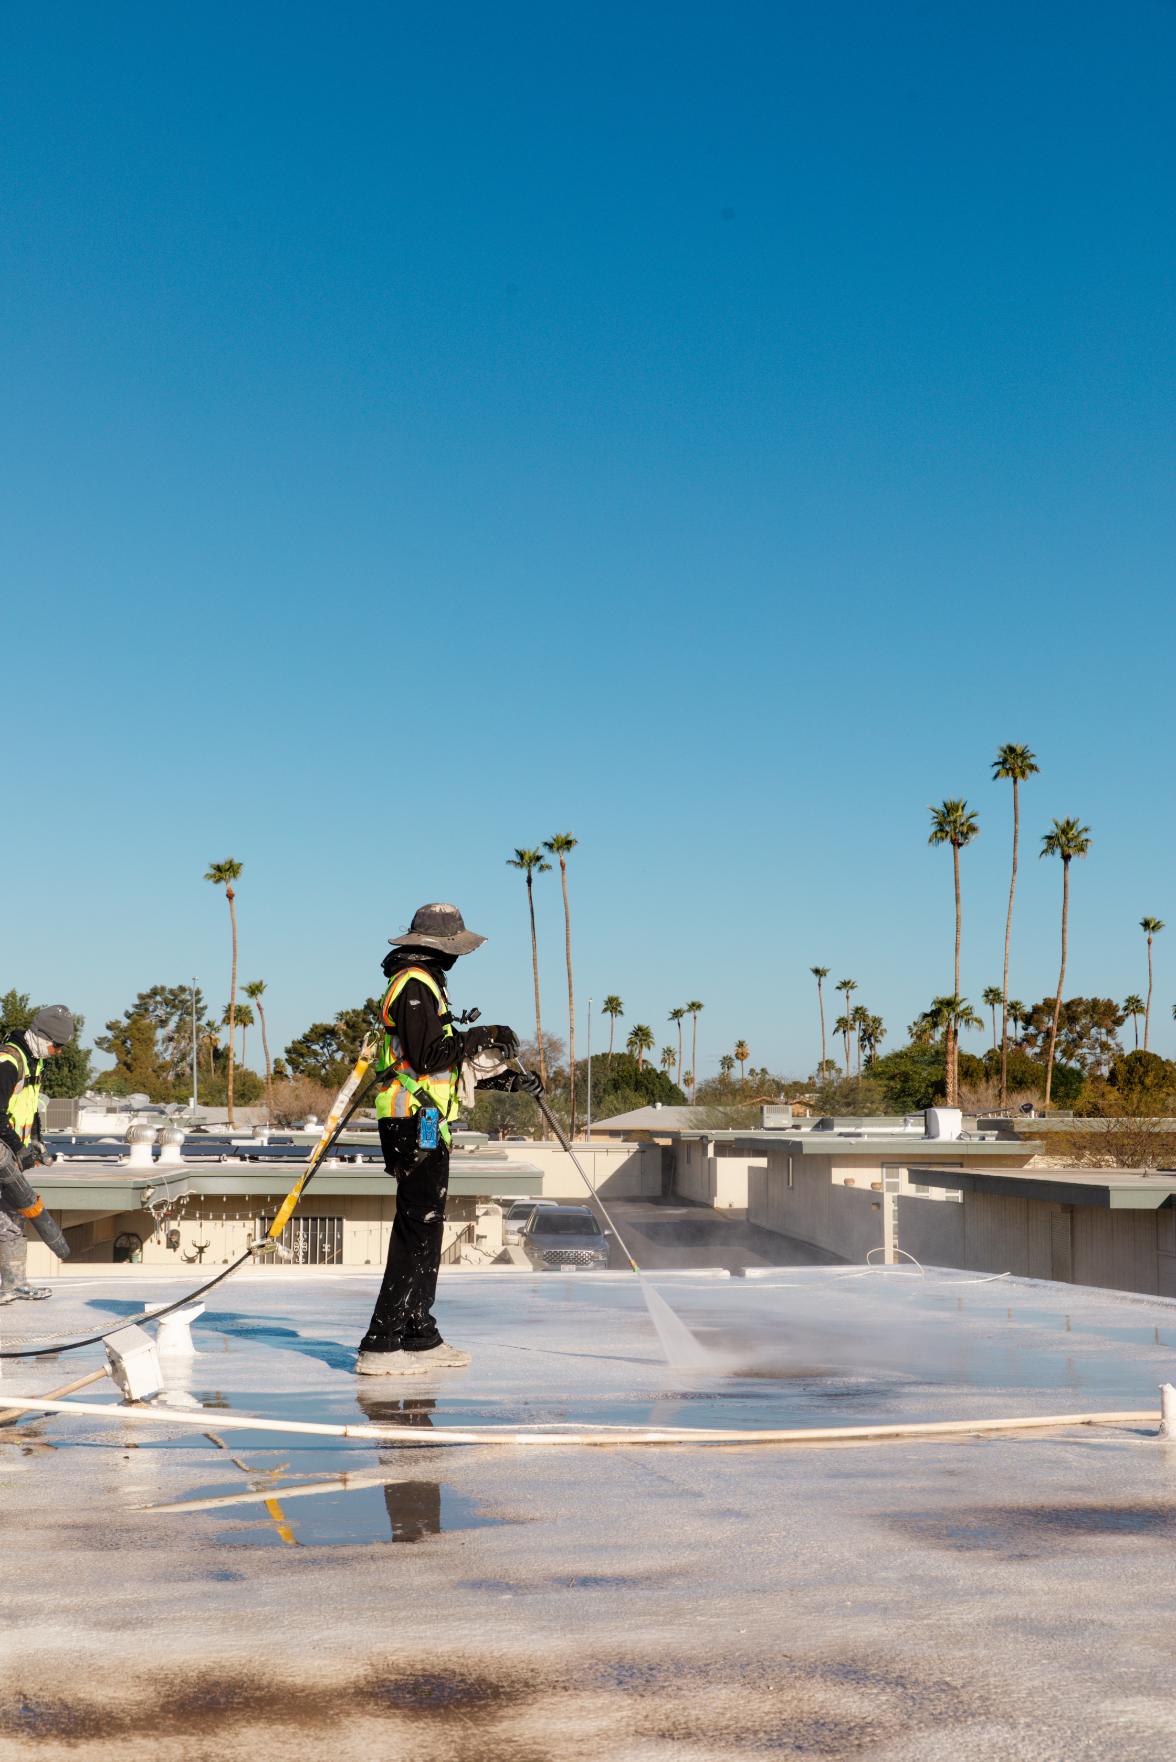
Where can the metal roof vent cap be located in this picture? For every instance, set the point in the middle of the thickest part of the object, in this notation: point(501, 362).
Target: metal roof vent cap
point(141, 1139)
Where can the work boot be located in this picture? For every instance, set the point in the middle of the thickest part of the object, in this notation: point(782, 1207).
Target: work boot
point(441, 1357)
point(14, 1287)
point(388, 1364)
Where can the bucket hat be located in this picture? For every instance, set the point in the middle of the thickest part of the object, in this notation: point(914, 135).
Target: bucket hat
point(439, 926)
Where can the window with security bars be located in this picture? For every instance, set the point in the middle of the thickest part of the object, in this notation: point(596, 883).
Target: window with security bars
point(309, 1241)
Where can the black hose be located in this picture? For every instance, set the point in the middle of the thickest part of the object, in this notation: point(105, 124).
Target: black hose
point(191, 1296)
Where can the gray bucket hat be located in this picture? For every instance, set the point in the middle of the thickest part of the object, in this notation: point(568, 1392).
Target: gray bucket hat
point(55, 1023)
point(441, 927)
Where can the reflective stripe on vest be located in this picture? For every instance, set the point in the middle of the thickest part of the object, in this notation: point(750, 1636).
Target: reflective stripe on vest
point(25, 1100)
point(405, 1091)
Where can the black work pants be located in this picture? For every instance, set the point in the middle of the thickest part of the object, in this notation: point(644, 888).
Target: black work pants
point(403, 1314)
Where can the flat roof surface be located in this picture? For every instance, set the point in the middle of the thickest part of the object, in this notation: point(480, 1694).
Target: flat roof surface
point(908, 1602)
point(1117, 1189)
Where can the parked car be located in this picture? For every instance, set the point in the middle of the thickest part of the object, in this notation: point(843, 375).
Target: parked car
point(564, 1235)
point(520, 1214)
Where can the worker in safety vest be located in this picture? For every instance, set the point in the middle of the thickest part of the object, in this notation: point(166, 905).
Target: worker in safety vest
point(426, 1069)
point(22, 1063)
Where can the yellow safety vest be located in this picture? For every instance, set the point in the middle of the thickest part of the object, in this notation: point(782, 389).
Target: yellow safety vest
point(405, 1092)
point(25, 1100)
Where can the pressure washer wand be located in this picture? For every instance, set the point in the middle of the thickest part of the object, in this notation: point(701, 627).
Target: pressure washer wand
point(541, 1104)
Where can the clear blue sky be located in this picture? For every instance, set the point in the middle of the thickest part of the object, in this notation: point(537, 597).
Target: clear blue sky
point(711, 430)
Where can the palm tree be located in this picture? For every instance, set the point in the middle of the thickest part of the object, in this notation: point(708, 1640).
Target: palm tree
point(726, 1066)
point(692, 1010)
point(210, 1040)
point(859, 1016)
point(994, 994)
point(846, 1021)
point(1016, 1012)
point(223, 875)
point(640, 1042)
point(820, 974)
point(947, 1016)
point(678, 1016)
point(533, 862)
point(687, 1080)
point(1066, 839)
point(561, 846)
point(953, 823)
point(1016, 764)
point(1151, 928)
point(612, 1008)
point(871, 1034)
point(669, 1058)
point(742, 1053)
point(1133, 1006)
point(255, 990)
point(244, 1022)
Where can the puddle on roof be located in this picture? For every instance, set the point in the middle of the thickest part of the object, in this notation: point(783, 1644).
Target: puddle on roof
point(400, 1511)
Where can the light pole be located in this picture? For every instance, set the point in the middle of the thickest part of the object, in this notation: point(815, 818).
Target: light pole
point(588, 1127)
point(195, 1068)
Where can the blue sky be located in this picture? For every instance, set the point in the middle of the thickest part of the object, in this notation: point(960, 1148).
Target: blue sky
point(711, 431)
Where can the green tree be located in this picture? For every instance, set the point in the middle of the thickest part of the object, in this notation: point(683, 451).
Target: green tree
point(1016, 1012)
point(742, 1053)
point(820, 974)
point(1151, 928)
point(223, 875)
point(859, 1017)
point(870, 1035)
point(640, 1042)
point(1013, 764)
point(678, 1016)
point(612, 1007)
point(327, 1050)
point(256, 990)
point(1066, 839)
point(561, 846)
point(693, 1010)
point(669, 1058)
point(952, 822)
point(994, 995)
point(848, 986)
point(726, 1066)
point(244, 1022)
point(1133, 1006)
point(138, 1069)
point(532, 863)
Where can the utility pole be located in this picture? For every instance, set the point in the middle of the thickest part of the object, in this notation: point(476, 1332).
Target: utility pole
point(588, 1127)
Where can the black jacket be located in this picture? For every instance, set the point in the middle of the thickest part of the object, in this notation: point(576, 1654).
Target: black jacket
point(416, 1020)
point(9, 1077)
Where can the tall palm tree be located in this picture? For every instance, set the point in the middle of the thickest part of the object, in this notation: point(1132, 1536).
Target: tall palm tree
point(256, 990)
point(693, 1010)
point(612, 1008)
point(742, 1053)
point(1134, 1006)
point(952, 822)
point(1151, 928)
point(726, 1066)
point(1016, 1015)
point(669, 1058)
point(871, 1034)
point(820, 974)
point(948, 1016)
point(640, 1042)
point(561, 846)
point(993, 995)
point(848, 986)
point(532, 863)
point(678, 1016)
point(223, 875)
point(1016, 764)
point(1066, 839)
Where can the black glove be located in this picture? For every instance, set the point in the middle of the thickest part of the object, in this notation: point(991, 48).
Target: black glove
point(32, 1154)
point(512, 1083)
point(504, 1040)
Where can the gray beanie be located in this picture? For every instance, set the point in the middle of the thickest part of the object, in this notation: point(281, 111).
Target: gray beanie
point(55, 1023)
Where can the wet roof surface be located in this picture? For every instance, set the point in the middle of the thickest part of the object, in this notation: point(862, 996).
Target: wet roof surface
point(984, 1598)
